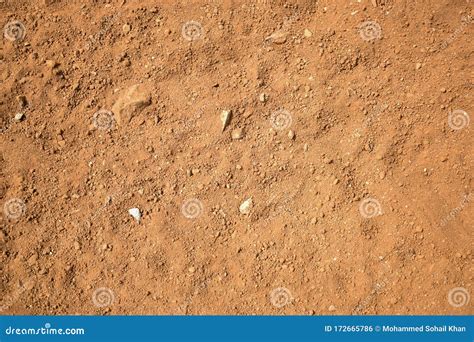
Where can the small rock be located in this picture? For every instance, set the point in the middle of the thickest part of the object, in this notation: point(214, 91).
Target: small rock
point(307, 33)
point(225, 118)
point(19, 117)
point(77, 245)
point(291, 135)
point(191, 269)
point(246, 206)
point(263, 97)
point(418, 66)
point(237, 134)
point(126, 28)
point(278, 37)
point(130, 102)
point(51, 64)
point(135, 212)
point(332, 308)
point(382, 175)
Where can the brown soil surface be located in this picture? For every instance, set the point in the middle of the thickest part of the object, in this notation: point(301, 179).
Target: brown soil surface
point(342, 134)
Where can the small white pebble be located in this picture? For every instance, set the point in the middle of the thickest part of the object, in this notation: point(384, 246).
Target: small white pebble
point(135, 212)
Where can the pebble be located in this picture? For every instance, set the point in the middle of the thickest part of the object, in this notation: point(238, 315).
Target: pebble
point(131, 101)
point(126, 28)
point(51, 64)
point(19, 117)
point(327, 160)
point(418, 66)
point(382, 175)
point(291, 135)
point(225, 118)
point(135, 213)
point(246, 206)
point(307, 33)
point(332, 308)
point(237, 134)
point(263, 97)
point(278, 37)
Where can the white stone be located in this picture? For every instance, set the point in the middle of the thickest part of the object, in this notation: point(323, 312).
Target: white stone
point(135, 212)
point(246, 206)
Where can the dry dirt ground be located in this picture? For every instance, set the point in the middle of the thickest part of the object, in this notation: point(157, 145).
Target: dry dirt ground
point(340, 184)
